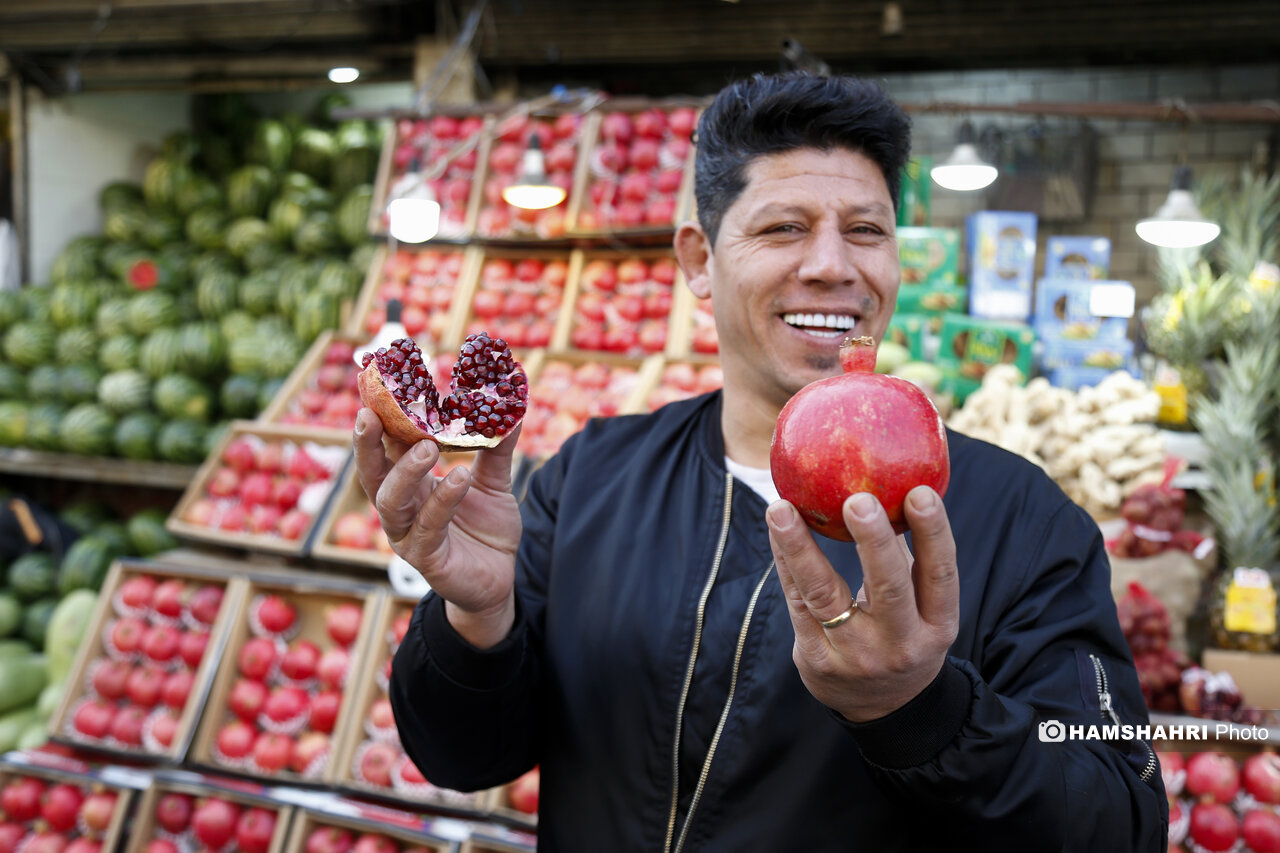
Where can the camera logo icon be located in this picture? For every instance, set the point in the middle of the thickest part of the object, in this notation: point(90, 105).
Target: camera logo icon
point(1052, 731)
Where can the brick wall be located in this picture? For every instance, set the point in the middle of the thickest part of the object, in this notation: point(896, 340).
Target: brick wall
point(1136, 158)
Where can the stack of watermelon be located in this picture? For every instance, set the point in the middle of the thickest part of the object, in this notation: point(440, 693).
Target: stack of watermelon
point(45, 607)
point(242, 244)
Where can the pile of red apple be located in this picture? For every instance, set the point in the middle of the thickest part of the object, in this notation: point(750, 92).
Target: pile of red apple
point(519, 300)
point(135, 694)
point(331, 396)
point(681, 380)
point(1217, 804)
point(636, 167)
point(424, 281)
point(705, 340)
point(565, 395)
point(267, 487)
point(559, 141)
point(623, 305)
point(420, 144)
point(337, 839)
point(183, 822)
point(379, 761)
point(360, 530)
point(54, 817)
point(282, 709)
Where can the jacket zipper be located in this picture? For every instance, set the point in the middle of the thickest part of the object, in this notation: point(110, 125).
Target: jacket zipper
point(693, 657)
point(1104, 702)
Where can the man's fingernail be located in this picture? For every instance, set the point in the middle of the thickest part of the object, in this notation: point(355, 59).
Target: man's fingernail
point(456, 476)
point(923, 499)
point(782, 515)
point(863, 506)
point(420, 451)
point(360, 423)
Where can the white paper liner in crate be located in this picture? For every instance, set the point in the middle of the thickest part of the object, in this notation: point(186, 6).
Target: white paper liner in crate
point(1178, 825)
point(219, 757)
point(255, 625)
point(124, 611)
point(381, 734)
point(272, 675)
point(24, 841)
point(185, 841)
point(154, 618)
point(1191, 845)
point(1173, 784)
point(317, 766)
point(191, 623)
point(290, 727)
point(382, 680)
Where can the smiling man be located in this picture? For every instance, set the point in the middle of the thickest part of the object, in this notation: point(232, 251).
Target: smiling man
point(687, 663)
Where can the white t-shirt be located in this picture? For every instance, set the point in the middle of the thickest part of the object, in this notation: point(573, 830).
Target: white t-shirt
point(760, 480)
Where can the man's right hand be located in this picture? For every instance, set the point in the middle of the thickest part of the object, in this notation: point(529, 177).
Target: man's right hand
point(460, 531)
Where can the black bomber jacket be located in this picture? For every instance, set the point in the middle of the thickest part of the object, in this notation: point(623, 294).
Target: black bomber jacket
point(650, 676)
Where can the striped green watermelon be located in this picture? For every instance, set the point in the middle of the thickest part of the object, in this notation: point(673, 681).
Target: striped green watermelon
point(182, 441)
point(245, 233)
point(152, 310)
point(80, 383)
point(78, 261)
point(217, 155)
point(249, 190)
point(119, 353)
point(280, 354)
point(216, 293)
point(298, 184)
point(237, 324)
point(271, 145)
point(285, 216)
point(257, 292)
point(45, 382)
point(85, 564)
point(159, 354)
point(316, 313)
point(112, 317)
point(202, 348)
point(155, 272)
point(187, 310)
point(181, 396)
point(125, 224)
point(214, 260)
point(239, 395)
point(161, 229)
point(125, 391)
point(162, 181)
point(352, 215)
point(338, 279)
point(356, 160)
point(77, 345)
point(88, 429)
point(28, 344)
point(147, 533)
point(13, 423)
point(272, 325)
point(214, 436)
point(119, 194)
point(206, 227)
point(313, 153)
point(35, 304)
point(361, 257)
point(13, 383)
point(72, 305)
point(43, 425)
point(244, 354)
point(317, 235)
point(180, 146)
point(135, 436)
point(294, 285)
point(180, 255)
point(116, 257)
point(270, 388)
point(196, 193)
point(262, 256)
point(11, 310)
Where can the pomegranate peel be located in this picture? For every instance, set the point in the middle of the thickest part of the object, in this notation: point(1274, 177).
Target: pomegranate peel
point(488, 400)
point(857, 432)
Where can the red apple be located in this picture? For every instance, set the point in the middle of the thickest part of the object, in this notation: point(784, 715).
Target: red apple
point(127, 724)
point(256, 657)
point(376, 764)
point(311, 746)
point(333, 667)
point(60, 806)
point(136, 592)
point(127, 635)
point(271, 752)
point(235, 740)
point(372, 842)
point(239, 455)
point(214, 822)
point(247, 698)
point(144, 686)
point(285, 704)
point(164, 725)
point(300, 660)
point(294, 524)
point(255, 829)
point(191, 647)
point(161, 643)
point(177, 687)
point(173, 812)
point(329, 839)
point(110, 678)
point(224, 483)
point(10, 835)
point(285, 494)
point(343, 623)
point(205, 604)
point(324, 710)
point(21, 799)
point(97, 810)
point(92, 720)
point(275, 614)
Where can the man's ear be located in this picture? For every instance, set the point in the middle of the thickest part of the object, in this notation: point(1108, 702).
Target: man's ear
point(693, 253)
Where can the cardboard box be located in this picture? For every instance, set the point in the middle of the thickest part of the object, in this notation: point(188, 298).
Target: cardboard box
point(312, 598)
point(56, 770)
point(410, 831)
point(970, 346)
point(93, 653)
point(1109, 355)
point(1075, 378)
point(1257, 675)
point(1080, 310)
point(202, 516)
point(933, 302)
point(915, 208)
point(1002, 263)
point(908, 330)
point(144, 830)
point(368, 688)
point(1077, 257)
point(930, 257)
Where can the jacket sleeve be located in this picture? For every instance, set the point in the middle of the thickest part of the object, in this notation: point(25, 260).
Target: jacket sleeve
point(469, 718)
point(974, 746)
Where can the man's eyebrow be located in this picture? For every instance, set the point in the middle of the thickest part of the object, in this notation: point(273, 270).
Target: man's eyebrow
point(874, 208)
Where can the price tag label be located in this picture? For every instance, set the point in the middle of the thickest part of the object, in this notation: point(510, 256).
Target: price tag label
point(1112, 300)
point(1250, 605)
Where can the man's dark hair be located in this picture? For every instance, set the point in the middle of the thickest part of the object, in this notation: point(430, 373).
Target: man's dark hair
point(770, 114)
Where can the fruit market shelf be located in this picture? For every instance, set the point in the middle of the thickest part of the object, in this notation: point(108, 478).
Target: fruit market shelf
point(163, 475)
point(1232, 736)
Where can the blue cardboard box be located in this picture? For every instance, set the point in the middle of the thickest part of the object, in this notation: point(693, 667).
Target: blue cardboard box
point(1075, 378)
point(1077, 257)
point(1058, 352)
point(1002, 263)
point(1083, 310)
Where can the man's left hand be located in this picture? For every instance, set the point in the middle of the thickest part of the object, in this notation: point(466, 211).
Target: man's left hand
point(896, 640)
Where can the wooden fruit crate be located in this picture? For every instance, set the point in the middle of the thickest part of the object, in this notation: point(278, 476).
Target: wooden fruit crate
point(583, 261)
point(371, 687)
point(53, 770)
point(143, 829)
point(363, 323)
point(405, 829)
point(312, 597)
point(581, 209)
point(286, 402)
point(320, 443)
point(464, 317)
point(94, 650)
point(688, 313)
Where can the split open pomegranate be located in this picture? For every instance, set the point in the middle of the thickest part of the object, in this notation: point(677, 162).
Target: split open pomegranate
point(857, 432)
point(488, 400)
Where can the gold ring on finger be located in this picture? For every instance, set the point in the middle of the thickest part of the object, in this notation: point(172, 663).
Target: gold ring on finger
point(843, 617)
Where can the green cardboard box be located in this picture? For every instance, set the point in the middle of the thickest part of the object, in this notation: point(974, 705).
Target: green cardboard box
point(915, 206)
point(930, 257)
point(970, 346)
point(908, 330)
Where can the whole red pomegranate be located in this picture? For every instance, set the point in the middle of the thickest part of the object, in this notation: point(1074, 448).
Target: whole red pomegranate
point(1261, 831)
point(1262, 777)
point(857, 432)
point(489, 397)
point(1214, 826)
point(1213, 775)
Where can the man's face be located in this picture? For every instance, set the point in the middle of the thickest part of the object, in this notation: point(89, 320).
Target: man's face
point(805, 257)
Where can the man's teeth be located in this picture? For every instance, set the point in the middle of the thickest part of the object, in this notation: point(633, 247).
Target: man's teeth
point(822, 325)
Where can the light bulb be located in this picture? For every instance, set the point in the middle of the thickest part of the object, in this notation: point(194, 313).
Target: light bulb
point(532, 190)
point(1178, 224)
point(964, 170)
point(345, 74)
